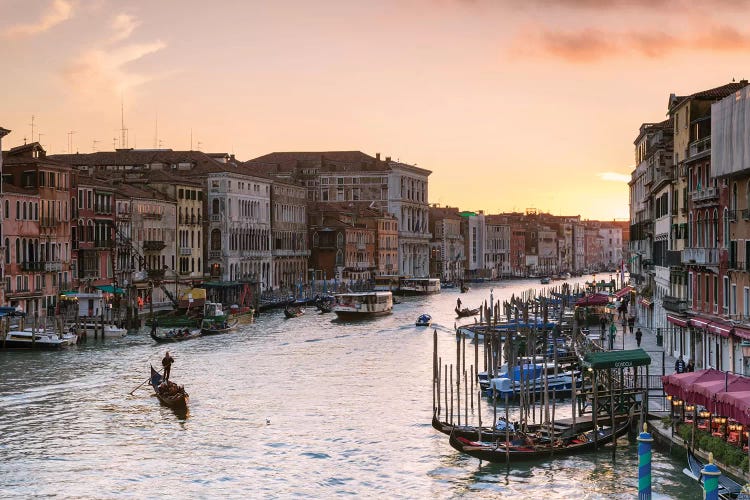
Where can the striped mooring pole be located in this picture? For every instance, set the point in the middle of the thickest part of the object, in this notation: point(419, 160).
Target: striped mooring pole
point(711, 475)
point(644, 464)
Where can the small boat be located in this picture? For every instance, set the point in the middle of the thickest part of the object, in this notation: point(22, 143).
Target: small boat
point(466, 312)
point(424, 320)
point(169, 393)
point(211, 327)
point(545, 280)
point(534, 449)
point(464, 288)
point(93, 327)
point(473, 432)
point(728, 488)
point(293, 311)
point(363, 304)
point(29, 338)
point(418, 286)
point(175, 335)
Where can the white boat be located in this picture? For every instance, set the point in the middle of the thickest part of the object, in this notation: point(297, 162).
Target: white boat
point(28, 338)
point(89, 328)
point(363, 304)
point(418, 286)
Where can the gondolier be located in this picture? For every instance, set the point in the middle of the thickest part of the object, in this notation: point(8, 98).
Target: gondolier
point(167, 364)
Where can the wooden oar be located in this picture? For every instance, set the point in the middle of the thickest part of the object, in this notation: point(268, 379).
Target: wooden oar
point(141, 384)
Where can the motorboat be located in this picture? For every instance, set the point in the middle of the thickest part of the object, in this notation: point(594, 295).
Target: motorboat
point(29, 338)
point(94, 328)
point(418, 286)
point(363, 304)
point(424, 320)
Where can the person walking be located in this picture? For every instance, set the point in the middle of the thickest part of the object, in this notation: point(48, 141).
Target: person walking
point(631, 323)
point(638, 337)
point(167, 364)
point(612, 333)
point(690, 366)
point(603, 323)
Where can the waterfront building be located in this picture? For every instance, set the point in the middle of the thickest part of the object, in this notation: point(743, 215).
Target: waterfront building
point(729, 146)
point(3, 133)
point(447, 253)
point(593, 249)
point(238, 204)
point(386, 256)
point(497, 252)
point(92, 204)
point(518, 251)
point(352, 176)
point(28, 167)
point(473, 229)
point(579, 247)
point(290, 249)
point(547, 250)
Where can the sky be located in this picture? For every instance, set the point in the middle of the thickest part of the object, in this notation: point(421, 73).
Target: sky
point(512, 104)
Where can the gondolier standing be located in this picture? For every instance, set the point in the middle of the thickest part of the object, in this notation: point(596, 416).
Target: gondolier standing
point(458, 303)
point(167, 364)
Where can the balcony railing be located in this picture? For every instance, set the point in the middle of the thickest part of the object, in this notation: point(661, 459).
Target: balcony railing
point(214, 254)
point(103, 243)
point(674, 304)
point(700, 147)
point(732, 215)
point(32, 266)
point(151, 215)
point(705, 194)
point(186, 250)
point(85, 274)
point(737, 265)
point(746, 214)
point(153, 245)
point(53, 266)
point(701, 256)
point(215, 217)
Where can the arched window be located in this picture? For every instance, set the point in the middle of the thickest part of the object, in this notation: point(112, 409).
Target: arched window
point(7, 248)
point(36, 211)
point(691, 230)
point(726, 228)
point(18, 251)
point(339, 240)
point(18, 210)
point(699, 231)
point(733, 201)
point(339, 258)
point(715, 229)
point(316, 239)
point(25, 214)
point(7, 211)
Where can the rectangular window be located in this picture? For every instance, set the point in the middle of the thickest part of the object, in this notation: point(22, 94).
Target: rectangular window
point(734, 299)
point(746, 302)
point(725, 302)
point(698, 289)
point(716, 294)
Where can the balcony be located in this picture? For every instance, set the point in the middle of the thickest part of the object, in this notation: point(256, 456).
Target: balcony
point(737, 265)
point(700, 148)
point(103, 243)
point(705, 195)
point(214, 254)
point(674, 304)
point(291, 253)
point(88, 274)
point(215, 217)
point(732, 215)
point(123, 214)
point(153, 245)
point(746, 214)
point(151, 215)
point(701, 256)
point(186, 251)
point(53, 266)
point(155, 274)
point(32, 266)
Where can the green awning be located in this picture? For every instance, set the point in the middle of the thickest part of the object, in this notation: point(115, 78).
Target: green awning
point(110, 289)
point(616, 359)
point(69, 292)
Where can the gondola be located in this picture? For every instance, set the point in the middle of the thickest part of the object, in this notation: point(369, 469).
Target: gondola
point(325, 307)
point(728, 488)
point(169, 393)
point(175, 335)
point(466, 312)
point(464, 288)
point(213, 328)
point(472, 432)
point(529, 449)
point(424, 320)
point(293, 311)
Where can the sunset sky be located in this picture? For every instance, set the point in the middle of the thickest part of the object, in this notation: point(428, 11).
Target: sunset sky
point(512, 104)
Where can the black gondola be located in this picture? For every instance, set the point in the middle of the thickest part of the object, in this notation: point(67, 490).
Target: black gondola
point(728, 488)
point(210, 327)
point(472, 432)
point(169, 393)
point(466, 312)
point(175, 335)
point(293, 311)
point(529, 449)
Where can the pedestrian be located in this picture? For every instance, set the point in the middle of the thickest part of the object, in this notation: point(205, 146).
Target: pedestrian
point(603, 322)
point(612, 333)
point(631, 323)
point(690, 366)
point(167, 364)
point(679, 365)
point(638, 337)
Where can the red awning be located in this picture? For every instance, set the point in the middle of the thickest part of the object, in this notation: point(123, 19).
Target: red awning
point(645, 302)
point(677, 384)
point(705, 393)
point(720, 329)
point(623, 292)
point(734, 405)
point(676, 320)
point(742, 333)
point(699, 322)
point(596, 299)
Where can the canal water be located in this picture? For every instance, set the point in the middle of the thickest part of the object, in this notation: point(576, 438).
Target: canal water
point(310, 407)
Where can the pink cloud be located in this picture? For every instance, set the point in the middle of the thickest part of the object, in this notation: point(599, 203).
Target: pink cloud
point(58, 12)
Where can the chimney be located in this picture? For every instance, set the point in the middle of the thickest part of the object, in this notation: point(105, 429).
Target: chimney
point(377, 156)
point(387, 158)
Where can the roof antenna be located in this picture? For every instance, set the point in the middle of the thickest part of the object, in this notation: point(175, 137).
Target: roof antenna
point(123, 130)
point(32, 128)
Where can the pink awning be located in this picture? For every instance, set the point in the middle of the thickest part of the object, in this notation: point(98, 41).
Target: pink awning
point(705, 393)
point(623, 292)
point(676, 320)
point(678, 384)
point(720, 329)
point(742, 333)
point(734, 405)
point(595, 299)
point(699, 322)
point(645, 302)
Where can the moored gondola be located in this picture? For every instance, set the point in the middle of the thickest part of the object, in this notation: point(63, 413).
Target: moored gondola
point(175, 335)
point(728, 488)
point(473, 432)
point(293, 311)
point(528, 448)
point(169, 393)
